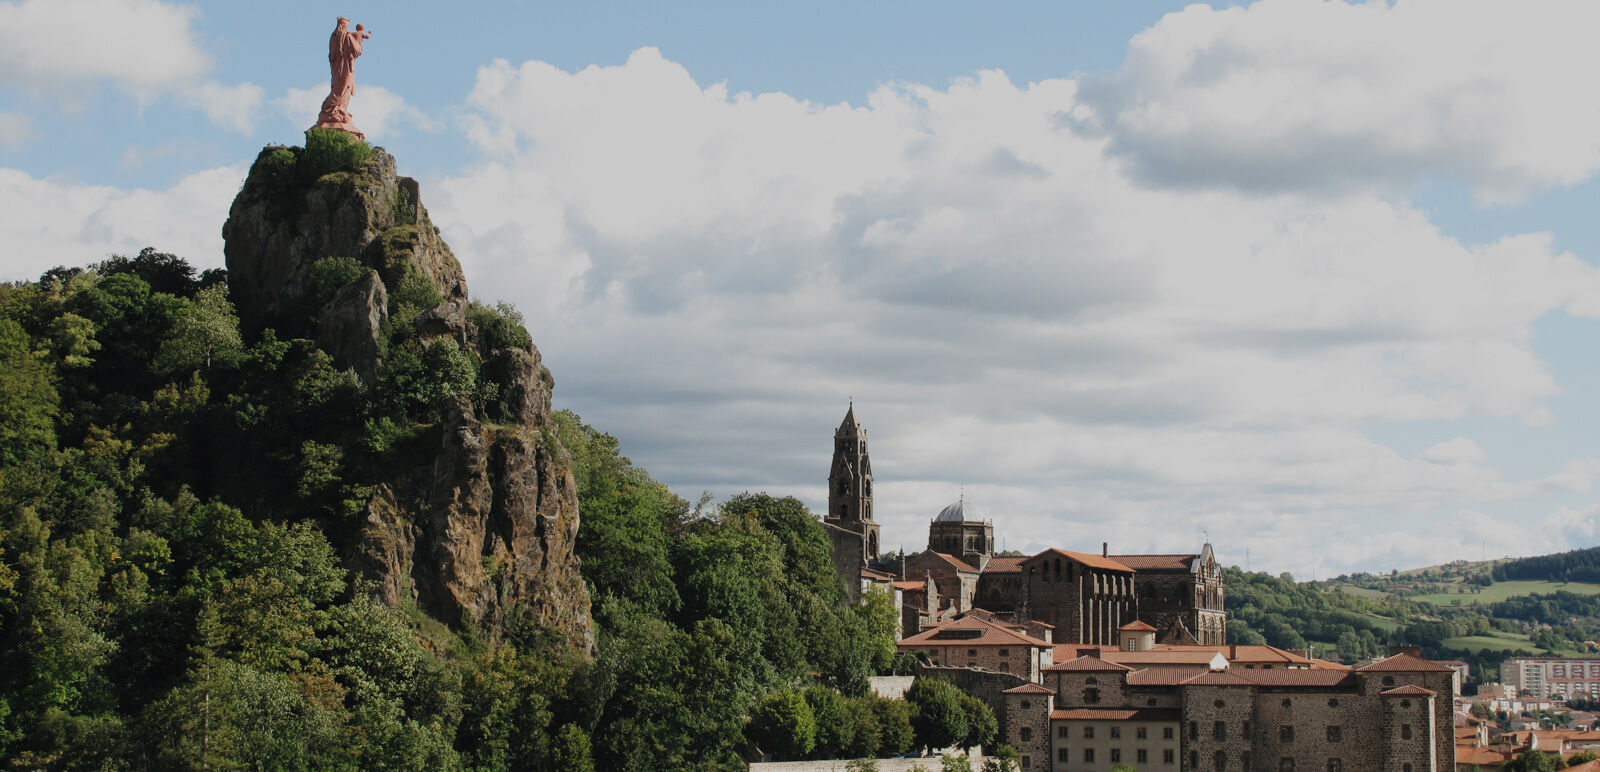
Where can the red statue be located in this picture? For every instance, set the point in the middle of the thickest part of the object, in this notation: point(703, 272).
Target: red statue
point(343, 48)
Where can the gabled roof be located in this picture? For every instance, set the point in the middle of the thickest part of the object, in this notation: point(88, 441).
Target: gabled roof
point(1409, 690)
point(970, 631)
point(1115, 714)
point(1403, 663)
point(958, 563)
point(1092, 561)
point(1164, 676)
point(1137, 627)
point(1029, 688)
point(1004, 565)
point(850, 427)
point(1160, 657)
point(1217, 678)
point(1157, 562)
point(1298, 677)
point(1088, 665)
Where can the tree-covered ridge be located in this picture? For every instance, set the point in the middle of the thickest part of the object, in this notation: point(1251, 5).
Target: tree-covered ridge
point(1580, 565)
point(177, 503)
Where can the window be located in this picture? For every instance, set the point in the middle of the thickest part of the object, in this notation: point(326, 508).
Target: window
point(1335, 734)
point(1406, 767)
point(1244, 730)
point(1088, 755)
point(1062, 756)
point(1405, 703)
point(1027, 761)
point(1141, 756)
point(1286, 732)
point(1088, 733)
point(1116, 733)
point(1194, 732)
point(1025, 734)
point(1061, 732)
point(1166, 756)
point(1091, 696)
point(1139, 733)
point(1285, 764)
point(1166, 733)
point(1219, 704)
point(1005, 652)
point(1194, 759)
point(1219, 761)
point(1333, 765)
point(1026, 705)
point(1388, 680)
point(1405, 731)
point(1286, 702)
point(1333, 703)
point(1116, 755)
point(972, 652)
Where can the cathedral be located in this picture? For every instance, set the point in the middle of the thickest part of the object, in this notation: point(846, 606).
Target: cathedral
point(1079, 597)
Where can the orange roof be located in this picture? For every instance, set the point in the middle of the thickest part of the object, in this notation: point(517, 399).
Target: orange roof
point(1115, 714)
point(1092, 561)
point(1029, 688)
point(1160, 657)
point(1087, 665)
point(1409, 690)
point(1155, 562)
point(1323, 664)
point(1007, 565)
point(1482, 756)
point(970, 631)
point(1164, 676)
point(1295, 677)
point(1403, 663)
point(1137, 627)
point(1217, 678)
point(903, 585)
point(961, 565)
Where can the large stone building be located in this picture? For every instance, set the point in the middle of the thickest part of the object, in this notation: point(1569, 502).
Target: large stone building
point(1086, 598)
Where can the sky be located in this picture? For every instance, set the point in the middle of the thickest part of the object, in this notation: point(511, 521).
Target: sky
point(1316, 281)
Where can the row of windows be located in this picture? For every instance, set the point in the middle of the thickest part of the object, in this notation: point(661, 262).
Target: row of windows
point(1139, 732)
point(1286, 764)
point(1140, 756)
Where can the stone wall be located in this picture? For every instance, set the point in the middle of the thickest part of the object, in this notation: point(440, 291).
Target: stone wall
point(1217, 727)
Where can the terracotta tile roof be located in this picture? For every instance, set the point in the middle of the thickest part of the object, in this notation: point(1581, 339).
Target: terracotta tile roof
point(1007, 565)
point(1115, 714)
point(1087, 665)
point(1029, 688)
point(1409, 690)
point(1217, 678)
point(1092, 561)
point(903, 585)
point(1299, 677)
point(1481, 756)
point(970, 631)
point(1137, 627)
point(1466, 731)
point(961, 565)
point(1403, 663)
point(1156, 562)
point(1158, 657)
point(1323, 664)
point(1164, 676)
point(867, 573)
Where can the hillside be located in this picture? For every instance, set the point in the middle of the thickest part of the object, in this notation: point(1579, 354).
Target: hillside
point(318, 512)
point(1480, 612)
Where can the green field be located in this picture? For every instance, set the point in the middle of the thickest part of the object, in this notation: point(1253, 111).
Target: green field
point(1501, 590)
point(1382, 622)
point(1361, 592)
point(1498, 641)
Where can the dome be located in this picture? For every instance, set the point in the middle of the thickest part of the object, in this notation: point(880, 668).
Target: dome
point(960, 512)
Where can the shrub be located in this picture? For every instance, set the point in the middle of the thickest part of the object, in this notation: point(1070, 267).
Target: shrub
point(500, 326)
point(329, 275)
point(332, 150)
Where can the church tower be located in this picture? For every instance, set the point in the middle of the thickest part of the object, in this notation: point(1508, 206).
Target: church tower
point(850, 485)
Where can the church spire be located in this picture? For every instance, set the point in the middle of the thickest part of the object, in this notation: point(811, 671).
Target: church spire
point(850, 482)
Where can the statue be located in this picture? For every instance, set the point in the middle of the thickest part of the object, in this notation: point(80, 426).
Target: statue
point(343, 48)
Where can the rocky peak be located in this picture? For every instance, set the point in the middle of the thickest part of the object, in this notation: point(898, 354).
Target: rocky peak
point(486, 529)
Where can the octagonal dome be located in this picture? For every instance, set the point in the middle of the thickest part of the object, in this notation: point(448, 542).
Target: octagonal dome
point(960, 512)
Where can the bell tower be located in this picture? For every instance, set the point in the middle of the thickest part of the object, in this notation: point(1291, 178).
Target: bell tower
point(850, 484)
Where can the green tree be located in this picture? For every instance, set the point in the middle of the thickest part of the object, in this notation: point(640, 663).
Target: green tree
point(782, 724)
point(938, 715)
point(981, 724)
point(571, 752)
point(205, 328)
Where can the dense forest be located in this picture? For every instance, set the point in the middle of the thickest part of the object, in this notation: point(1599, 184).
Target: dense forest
point(176, 499)
point(1582, 565)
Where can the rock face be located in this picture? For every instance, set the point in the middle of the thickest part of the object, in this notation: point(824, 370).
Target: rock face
point(483, 533)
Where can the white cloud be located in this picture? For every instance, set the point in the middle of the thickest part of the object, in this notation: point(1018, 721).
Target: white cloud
point(377, 111)
point(16, 128)
point(1291, 94)
point(231, 107)
point(145, 46)
point(49, 222)
point(711, 274)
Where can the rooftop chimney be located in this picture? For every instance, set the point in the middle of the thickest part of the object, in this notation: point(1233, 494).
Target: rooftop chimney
point(1105, 549)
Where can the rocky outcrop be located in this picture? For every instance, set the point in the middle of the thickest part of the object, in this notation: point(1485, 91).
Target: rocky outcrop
point(483, 532)
point(350, 327)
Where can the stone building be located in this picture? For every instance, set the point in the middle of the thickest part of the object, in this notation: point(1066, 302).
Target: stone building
point(852, 532)
point(1090, 713)
point(1181, 595)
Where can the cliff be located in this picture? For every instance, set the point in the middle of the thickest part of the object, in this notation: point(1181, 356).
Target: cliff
point(482, 530)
